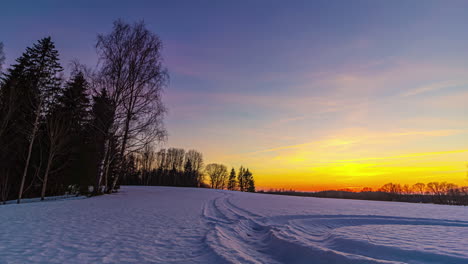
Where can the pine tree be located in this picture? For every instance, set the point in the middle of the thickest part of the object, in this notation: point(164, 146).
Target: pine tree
point(36, 75)
point(74, 110)
point(74, 102)
point(189, 174)
point(232, 180)
point(16, 115)
point(250, 181)
point(241, 179)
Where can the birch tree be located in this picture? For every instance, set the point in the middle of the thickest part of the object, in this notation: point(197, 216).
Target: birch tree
point(133, 73)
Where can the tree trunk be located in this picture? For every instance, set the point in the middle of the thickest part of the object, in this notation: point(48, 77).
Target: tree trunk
point(5, 187)
point(31, 143)
point(46, 176)
point(103, 167)
point(122, 151)
point(106, 173)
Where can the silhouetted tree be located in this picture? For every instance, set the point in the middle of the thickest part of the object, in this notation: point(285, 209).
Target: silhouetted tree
point(218, 175)
point(391, 188)
point(146, 160)
point(366, 189)
point(250, 181)
point(406, 189)
point(133, 73)
point(56, 131)
point(419, 188)
point(40, 68)
point(100, 143)
point(189, 178)
point(74, 108)
point(241, 181)
point(196, 162)
point(232, 180)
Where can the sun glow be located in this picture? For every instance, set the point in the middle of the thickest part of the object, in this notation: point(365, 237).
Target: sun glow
point(368, 160)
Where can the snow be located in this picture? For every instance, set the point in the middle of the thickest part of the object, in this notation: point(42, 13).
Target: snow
point(188, 225)
point(49, 198)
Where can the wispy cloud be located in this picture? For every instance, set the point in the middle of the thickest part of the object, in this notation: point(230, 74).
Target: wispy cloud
point(410, 155)
point(363, 138)
point(431, 87)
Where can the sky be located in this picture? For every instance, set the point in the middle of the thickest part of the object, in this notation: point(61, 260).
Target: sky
point(310, 95)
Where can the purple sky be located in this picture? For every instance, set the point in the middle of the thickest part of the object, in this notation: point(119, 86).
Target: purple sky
point(265, 83)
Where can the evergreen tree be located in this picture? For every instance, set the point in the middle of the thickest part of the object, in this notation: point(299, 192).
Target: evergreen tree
point(74, 102)
point(241, 179)
point(189, 179)
point(34, 81)
point(250, 181)
point(74, 109)
point(232, 180)
point(14, 118)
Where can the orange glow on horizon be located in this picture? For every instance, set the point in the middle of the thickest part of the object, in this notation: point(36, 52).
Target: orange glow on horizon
point(357, 161)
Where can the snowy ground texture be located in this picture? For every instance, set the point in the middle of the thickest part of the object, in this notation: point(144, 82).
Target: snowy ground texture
point(185, 225)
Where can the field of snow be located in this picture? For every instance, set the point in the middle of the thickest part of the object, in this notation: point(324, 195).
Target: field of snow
point(186, 225)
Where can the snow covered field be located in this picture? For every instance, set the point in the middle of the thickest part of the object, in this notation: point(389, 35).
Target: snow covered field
point(185, 225)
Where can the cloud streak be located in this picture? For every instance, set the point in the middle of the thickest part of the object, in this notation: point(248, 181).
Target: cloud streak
point(432, 87)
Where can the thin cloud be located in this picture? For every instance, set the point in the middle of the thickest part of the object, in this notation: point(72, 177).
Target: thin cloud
point(332, 142)
point(411, 155)
point(431, 87)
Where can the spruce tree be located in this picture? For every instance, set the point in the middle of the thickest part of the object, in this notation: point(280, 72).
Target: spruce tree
point(189, 179)
point(74, 109)
point(249, 181)
point(15, 117)
point(241, 179)
point(74, 102)
point(36, 77)
point(232, 180)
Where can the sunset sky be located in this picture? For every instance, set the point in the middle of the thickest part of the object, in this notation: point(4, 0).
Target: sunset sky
point(309, 95)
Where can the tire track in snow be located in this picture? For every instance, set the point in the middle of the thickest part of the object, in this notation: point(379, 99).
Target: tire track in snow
point(240, 236)
point(232, 234)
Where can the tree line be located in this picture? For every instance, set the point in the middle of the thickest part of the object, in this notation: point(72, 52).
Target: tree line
point(177, 167)
point(95, 130)
point(432, 192)
point(78, 134)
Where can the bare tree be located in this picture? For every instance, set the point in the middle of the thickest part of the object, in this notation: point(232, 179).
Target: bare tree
point(218, 175)
point(146, 159)
point(392, 188)
point(436, 188)
point(56, 129)
point(406, 189)
point(419, 188)
point(133, 73)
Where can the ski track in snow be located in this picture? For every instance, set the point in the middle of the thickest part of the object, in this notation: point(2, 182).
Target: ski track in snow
point(187, 225)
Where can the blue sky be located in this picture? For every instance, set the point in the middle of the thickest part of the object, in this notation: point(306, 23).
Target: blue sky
point(257, 82)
